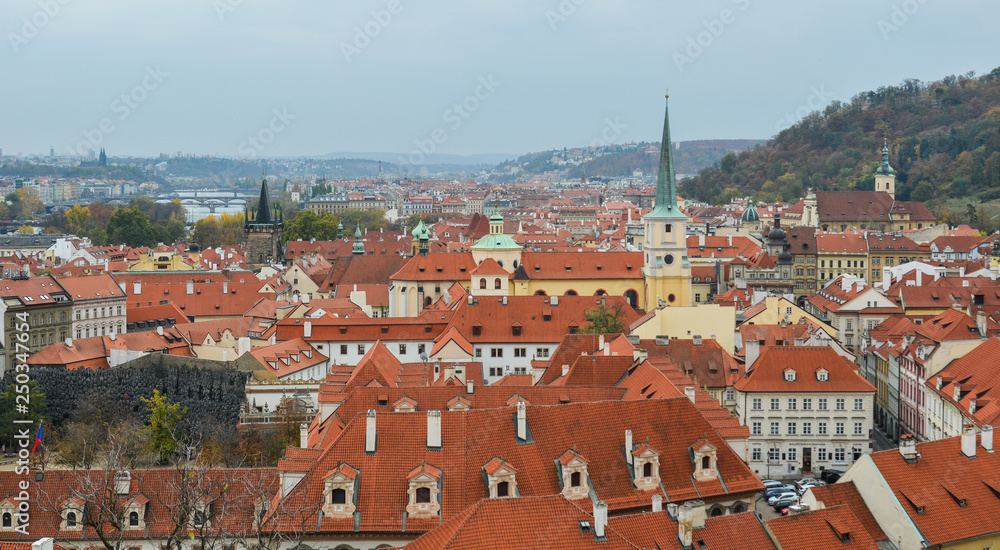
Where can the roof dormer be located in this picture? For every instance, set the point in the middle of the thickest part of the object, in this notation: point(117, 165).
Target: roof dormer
point(822, 375)
point(789, 374)
point(501, 480)
point(135, 512)
point(339, 489)
point(573, 473)
point(424, 488)
point(71, 511)
point(459, 403)
point(646, 467)
point(705, 457)
point(404, 404)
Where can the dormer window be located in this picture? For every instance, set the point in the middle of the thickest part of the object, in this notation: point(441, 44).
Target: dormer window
point(423, 491)
point(646, 461)
point(500, 478)
point(822, 375)
point(339, 487)
point(574, 475)
point(789, 375)
point(706, 466)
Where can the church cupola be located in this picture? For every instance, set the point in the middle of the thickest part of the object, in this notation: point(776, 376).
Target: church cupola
point(885, 176)
point(359, 245)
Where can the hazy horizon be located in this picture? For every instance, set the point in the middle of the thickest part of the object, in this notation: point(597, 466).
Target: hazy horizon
point(241, 78)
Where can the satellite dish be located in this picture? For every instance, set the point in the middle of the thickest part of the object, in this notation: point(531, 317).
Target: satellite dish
point(423, 357)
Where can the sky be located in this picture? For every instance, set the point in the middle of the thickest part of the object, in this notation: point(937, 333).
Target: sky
point(256, 78)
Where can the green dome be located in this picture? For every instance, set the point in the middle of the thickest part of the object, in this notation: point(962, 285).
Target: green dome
point(496, 242)
point(750, 215)
point(421, 232)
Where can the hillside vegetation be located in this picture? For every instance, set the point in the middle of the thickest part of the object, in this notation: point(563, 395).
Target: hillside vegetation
point(944, 143)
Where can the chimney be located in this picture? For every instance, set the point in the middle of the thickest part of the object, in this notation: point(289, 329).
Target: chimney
point(307, 330)
point(43, 544)
point(304, 435)
point(986, 437)
point(370, 433)
point(751, 351)
point(470, 387)
point(628, 446)
point(159, 331)
point(672, 510)
point(522, 422)
point(969, 441)
point(690, 516)
point(112, 337)
point(981, 324)
point(600, 342)
point(433, 429)
point(908, 448)
point(69, 342)
point(600, 518)
point(305, 298)
point(190, 287)
point(972, 406)
point(565, 370)
point(657, 503)
point(689, 391)
point(225, 286)
point(939, 383)
point(696, 340)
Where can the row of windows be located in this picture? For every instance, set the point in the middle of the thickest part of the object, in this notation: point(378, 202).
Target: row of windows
point(840, 263)
point(839, 455)
point(792, 428)
point(807, 402)
point(92, 313)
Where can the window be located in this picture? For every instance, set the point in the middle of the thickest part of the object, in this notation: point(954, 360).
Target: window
point(774, 404)
point(807, 428)
point(849, 324)
point(71, 519)
point(821, 376)
point(361, 349)
point(730, 395)
point(496, 352)
point(822, 403)
point(542, 352)
point(479, 352)
point(792, 454)
point(821, 454)
point(789, 375)
point(133, 519)
point(839, 428)
point(858, 428)
point(821, 428)
point(516, 330)
point(574, 479)
point(338, 496)
point(8, 520)
point(496, 283)
point(496, 371)
point(859, 404)
point(343, 349)
point(807, 403)
point(840, 403)
point(482, 284)
point(520, 352)
point(647, 469)
point(402, 349)
point(773, 454)
point(755, 455)
point(774, 428)
point(423, 495)
point(421, 348)
point(792, 403)
point(755, 428)
point(792, 428)
point(477, 330)
point(838, 456)
point(756, 404)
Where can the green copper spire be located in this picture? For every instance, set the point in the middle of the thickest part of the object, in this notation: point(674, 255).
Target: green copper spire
point(666, 183)
point(884, 169)
point(359, 247)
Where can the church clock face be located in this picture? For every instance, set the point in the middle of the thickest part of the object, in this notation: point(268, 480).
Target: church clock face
point(668, 259)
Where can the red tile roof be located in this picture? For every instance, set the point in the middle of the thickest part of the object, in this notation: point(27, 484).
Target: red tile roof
point(846, 493)
point(768, 372)
point(657, 530)
point(826, 528)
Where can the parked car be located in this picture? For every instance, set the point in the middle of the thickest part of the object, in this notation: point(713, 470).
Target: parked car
point(778, 490)
point(788, 495)
point(771, 484)
point(831, 476)
point(807, 481)
point(806, 486)
point(782, 504)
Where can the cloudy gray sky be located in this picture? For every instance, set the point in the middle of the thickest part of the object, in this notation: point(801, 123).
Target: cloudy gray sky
point(269, 78)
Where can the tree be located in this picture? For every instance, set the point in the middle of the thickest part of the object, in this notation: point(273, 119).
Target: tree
point(78, 220)
point(309, 225)
point(605, 320)
point(129, 226)
point(31, 204)
point(923, 192)
point(372, 220)
point(37, 410)
point(26, 230)
point(163, 424)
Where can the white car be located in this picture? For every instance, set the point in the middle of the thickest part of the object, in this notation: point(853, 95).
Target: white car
point(782, 496)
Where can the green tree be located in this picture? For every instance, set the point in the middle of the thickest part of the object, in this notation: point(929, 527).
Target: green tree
point(37, 410)
point(131, 227)
point(309, 225)
point(605, 320)
point(169, 230)
point(923, 192)
point(729, 163)
point(372, 220)
point(162, 427)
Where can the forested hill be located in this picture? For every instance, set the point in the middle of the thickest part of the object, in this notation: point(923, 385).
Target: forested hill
point(944, 141)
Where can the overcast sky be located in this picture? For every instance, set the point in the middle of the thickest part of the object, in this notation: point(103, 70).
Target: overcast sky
point(142, 77)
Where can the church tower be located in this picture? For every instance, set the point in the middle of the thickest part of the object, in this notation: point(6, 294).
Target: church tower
point(885, 176)
point(665, 263)
point(264, 228)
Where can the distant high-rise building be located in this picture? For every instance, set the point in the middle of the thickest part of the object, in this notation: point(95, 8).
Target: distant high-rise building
point(52, 151)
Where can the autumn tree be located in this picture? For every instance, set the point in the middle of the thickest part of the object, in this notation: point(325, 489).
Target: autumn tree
point(163, 420)
point(78, 221)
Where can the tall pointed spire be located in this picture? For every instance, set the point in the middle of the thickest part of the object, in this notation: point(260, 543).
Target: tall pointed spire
point(666, 183)
point(264, 204)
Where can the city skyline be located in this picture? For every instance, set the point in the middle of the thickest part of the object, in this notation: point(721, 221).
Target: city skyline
point(239, 79)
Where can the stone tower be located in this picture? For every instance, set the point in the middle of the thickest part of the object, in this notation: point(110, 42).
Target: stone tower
point(885, 176)
point(264, 228)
